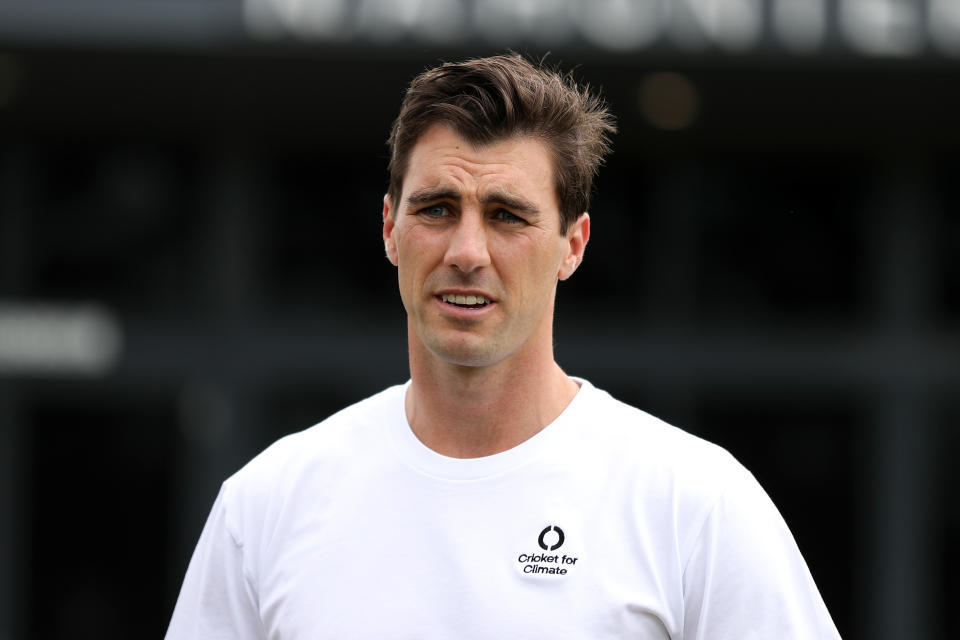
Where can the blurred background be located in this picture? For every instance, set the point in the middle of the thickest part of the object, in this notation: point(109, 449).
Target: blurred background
point(191, 267)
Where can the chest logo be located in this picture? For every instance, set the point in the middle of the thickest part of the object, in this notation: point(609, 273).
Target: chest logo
point(542, 540)
point(544, 563)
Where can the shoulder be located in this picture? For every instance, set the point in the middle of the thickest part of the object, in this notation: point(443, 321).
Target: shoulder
point(640, 439)
point(311, 456)
point(351, 426)
point(666, 472)
point(741, 574)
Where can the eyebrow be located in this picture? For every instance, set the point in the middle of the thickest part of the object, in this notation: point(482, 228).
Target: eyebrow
point(511, 201)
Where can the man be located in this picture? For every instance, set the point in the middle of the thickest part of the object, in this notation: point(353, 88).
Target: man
point(494, 496)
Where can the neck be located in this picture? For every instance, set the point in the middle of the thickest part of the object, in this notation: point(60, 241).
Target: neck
point(470, 412)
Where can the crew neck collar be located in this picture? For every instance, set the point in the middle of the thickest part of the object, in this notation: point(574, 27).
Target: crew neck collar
point(420, 457)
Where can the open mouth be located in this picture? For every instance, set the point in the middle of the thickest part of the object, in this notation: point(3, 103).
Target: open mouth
point(465, 302)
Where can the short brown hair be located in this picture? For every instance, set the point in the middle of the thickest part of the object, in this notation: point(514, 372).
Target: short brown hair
point(489, 99)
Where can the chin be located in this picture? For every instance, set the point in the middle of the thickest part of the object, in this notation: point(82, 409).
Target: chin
point(465, 353)
point(464, 357)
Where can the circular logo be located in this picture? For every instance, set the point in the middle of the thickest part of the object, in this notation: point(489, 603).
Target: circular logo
point(543, 534)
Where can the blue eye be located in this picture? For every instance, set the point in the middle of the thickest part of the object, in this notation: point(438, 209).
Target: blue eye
point(434, 211)
point(505, 216)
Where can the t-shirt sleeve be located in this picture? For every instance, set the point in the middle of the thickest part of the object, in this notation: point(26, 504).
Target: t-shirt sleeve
point(745, 578)
point(217, 599)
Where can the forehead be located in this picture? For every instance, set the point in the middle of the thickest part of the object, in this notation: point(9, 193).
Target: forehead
point(521, 163)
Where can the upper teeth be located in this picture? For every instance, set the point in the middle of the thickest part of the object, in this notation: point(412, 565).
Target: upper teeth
point(467, 300)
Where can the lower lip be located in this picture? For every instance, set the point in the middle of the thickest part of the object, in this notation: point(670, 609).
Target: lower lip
point(463, 312)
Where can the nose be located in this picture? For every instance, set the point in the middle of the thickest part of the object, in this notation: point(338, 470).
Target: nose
point(467, 250)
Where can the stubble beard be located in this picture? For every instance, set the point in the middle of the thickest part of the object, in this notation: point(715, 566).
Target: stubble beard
point(460, 346)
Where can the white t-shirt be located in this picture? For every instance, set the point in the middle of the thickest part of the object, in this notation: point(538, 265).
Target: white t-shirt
point(607, 524)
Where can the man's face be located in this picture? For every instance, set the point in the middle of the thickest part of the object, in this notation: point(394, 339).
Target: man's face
point(476, 239)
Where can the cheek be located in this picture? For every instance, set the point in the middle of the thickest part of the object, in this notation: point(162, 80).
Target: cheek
point(530, 268)
point(416, 257)
point(415, 242)
point(541, 256)
point(408, 285)
point(405, 253)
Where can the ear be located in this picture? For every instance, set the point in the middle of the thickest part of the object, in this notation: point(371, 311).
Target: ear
point(389, 225)
point(575, 243)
